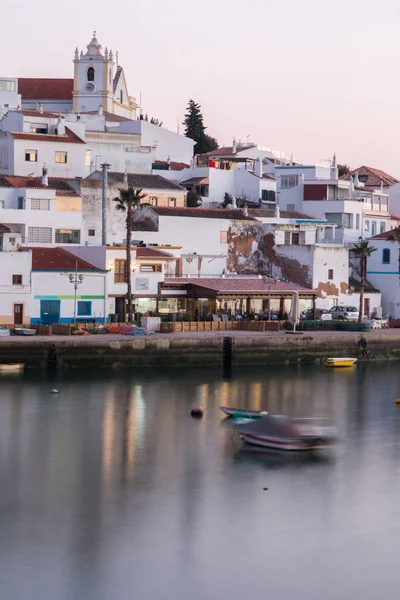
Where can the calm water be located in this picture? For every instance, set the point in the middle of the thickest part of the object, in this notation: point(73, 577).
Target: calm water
point(110, 490)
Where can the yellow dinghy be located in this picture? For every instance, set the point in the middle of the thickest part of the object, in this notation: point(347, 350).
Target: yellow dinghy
point(339, 362)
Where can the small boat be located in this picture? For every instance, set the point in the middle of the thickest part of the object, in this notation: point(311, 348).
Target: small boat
point(243, 413)
point(4, 332)
point(339, 362)
point(11, 367)
point(24, 331)
point(282, 433)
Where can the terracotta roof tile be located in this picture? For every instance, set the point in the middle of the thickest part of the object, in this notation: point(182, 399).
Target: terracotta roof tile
point(58, 259)
point(109, 116)
point(55, 183)
point(382, 236)
point(203, 213)
point(145, 181)
point(374, 177)
point(36, 113)
point(69, 138)
point(239, 284)
point(45, 88)
point(228, 150)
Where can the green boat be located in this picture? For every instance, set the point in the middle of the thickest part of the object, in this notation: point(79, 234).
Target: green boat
point(242, 413)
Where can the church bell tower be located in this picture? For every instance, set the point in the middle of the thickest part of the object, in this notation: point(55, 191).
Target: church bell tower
point(93, 79)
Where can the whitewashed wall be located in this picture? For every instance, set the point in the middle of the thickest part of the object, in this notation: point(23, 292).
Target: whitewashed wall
point(57, 285)
point(15, 263)
point(167, 143)
point(386, 277)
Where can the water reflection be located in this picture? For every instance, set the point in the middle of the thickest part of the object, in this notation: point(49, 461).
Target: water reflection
point(112, 480)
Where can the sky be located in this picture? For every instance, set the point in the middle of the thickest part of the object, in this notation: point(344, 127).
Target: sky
point(307, 77)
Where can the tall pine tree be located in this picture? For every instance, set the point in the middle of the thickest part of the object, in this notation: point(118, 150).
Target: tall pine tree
point(195, 129)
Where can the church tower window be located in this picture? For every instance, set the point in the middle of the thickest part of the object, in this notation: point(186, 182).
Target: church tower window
point(110, 77)
point(121, 96)
point(90, 74)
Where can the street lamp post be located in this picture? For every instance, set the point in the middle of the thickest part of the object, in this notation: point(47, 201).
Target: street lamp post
point(76, 280)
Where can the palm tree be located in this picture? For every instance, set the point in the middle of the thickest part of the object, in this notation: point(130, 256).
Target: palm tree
point(394, 235)
point(128, 200)
point(362, 250)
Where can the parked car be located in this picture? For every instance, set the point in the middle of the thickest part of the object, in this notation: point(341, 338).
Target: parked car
point(344, 313)
point(321, 313)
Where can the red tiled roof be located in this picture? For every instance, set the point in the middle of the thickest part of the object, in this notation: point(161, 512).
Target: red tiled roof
point(45, 89)
point(239, 284)
point(70, 137)
point(374, 177)
point(394, 218)
point(228, 150)
point(173, 166)
point(55, 183)
point(152, 253)
point(109, 116)
point(196, 181)
point(58, 259)
point(36, 113)
point(383, 236)
point(203, 213)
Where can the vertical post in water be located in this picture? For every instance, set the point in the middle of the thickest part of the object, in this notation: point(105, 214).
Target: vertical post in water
point(104, 168)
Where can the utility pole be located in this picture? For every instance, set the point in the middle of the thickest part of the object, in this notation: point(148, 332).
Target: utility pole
point(76, 280)
point(104, 169)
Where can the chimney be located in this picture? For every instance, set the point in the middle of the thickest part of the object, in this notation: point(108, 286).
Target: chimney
point(60, 127)
point(126, 179)
point(100, 110)
point(245, 211)
point(45, 179)
point(169, 160)
point(334, 169)
point(356, 180)
point(258, 168)
point(234, 146)
point(41, 108)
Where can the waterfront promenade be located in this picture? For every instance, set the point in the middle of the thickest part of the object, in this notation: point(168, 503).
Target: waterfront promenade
point(198, 349)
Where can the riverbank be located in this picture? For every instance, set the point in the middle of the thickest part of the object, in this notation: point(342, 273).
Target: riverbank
point(198, 349)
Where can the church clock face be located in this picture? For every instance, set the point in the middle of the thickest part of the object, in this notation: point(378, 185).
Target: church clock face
point(90, 87)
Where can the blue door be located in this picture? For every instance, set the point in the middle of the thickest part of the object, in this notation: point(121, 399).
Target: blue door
point(49, 311)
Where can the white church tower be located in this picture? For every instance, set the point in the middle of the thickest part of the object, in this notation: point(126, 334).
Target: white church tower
point(99, 84)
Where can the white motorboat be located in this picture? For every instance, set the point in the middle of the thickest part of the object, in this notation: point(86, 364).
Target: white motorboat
point(282, 433)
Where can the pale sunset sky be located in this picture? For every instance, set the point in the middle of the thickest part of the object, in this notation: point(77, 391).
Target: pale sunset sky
point(307, 77)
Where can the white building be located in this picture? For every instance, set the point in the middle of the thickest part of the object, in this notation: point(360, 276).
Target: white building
point(31, 139)
point(15, 285)
point(384, 273)
point(158, 192)
point(98, 96)
point(149, 268)
point(355, 210)
point(39, 212)
point(53, 298)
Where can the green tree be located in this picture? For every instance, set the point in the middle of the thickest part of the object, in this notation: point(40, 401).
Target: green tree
point(343, 170)
point(394, 235)
point(128, 200)
point(192, 199)
point(362, 250)
point(196, 130)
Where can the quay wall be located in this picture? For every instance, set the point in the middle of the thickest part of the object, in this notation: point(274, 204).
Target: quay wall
point(202, 351)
